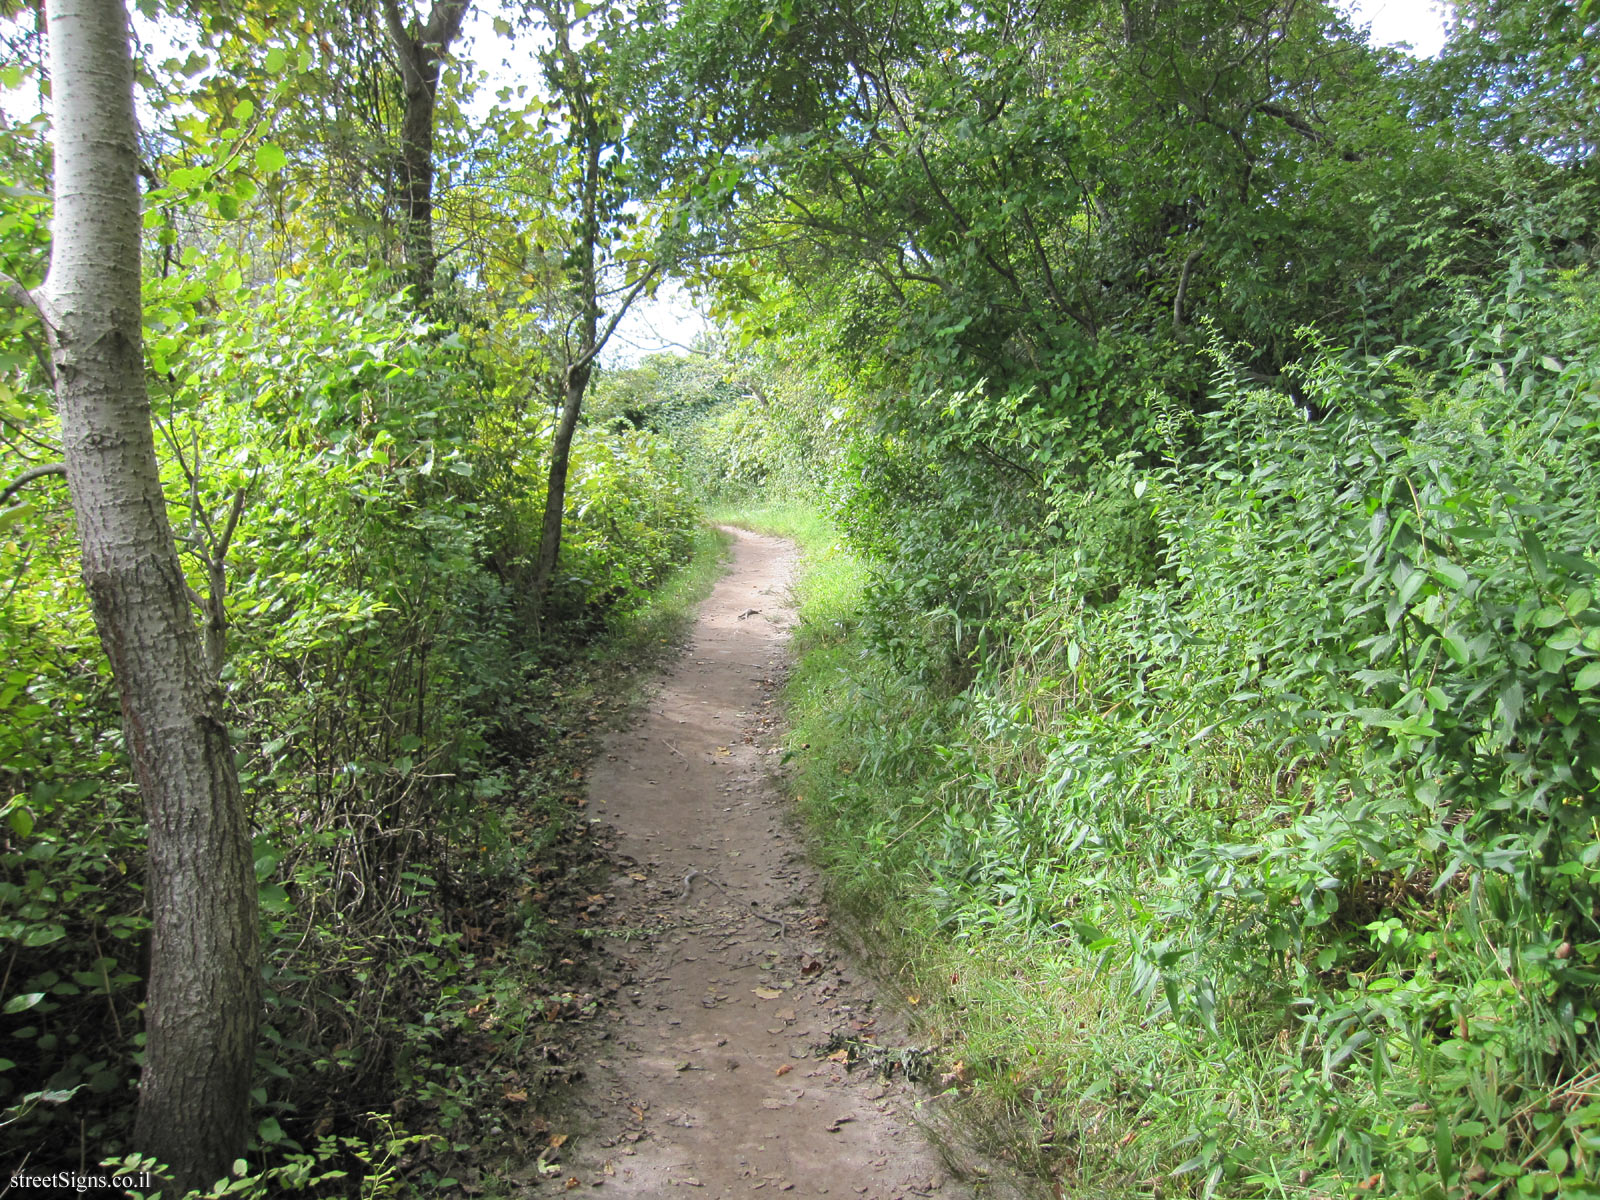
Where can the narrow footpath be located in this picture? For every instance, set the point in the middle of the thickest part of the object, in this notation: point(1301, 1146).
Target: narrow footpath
point(744, 1054)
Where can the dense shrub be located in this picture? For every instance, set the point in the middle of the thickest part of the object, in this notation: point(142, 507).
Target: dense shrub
point(1274, 855)
point(377, 649)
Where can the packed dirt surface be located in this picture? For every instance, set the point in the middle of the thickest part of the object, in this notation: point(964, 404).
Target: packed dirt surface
point(744, 1053)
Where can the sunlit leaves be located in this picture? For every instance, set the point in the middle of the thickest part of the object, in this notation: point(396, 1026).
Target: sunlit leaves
point(270, 158)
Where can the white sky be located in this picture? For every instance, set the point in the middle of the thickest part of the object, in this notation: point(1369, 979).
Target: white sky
point(1420, 23)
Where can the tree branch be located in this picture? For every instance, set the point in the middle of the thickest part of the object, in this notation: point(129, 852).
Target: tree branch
point(405, 46)
point(1306, 130)
point(1183, 287)
point(23, 298)
point(28, 476)
point(616, 319)
point(444, 23)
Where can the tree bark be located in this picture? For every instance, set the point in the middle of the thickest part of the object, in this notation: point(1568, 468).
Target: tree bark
point(201, 1008)
point(421, 56)
point(568, 77)
point(575, 376)
point(575, 381)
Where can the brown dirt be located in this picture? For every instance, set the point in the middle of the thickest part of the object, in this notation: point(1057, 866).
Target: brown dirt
point(740, 1056)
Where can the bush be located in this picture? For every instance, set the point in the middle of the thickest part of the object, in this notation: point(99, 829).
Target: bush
point(1297, 813)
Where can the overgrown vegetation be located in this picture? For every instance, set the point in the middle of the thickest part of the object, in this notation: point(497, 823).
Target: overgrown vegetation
point(1201, 713)
point(357, 482)
point(1268, 868)
point(1191, 412)
point(406, 747)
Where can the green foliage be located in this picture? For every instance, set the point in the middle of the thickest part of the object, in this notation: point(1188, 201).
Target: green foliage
point(374, 530)
point(1293, 838)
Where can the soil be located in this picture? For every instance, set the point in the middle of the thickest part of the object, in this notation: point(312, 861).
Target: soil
point(743, 1052)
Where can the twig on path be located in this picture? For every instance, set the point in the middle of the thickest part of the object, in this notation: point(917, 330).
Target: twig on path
point(696, 873)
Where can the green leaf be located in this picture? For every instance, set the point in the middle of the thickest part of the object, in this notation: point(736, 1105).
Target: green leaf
point(270, 158)
point(1587, 678)
point(502, 26)
point(1538, 561)
point(21, 821)
point(10, 516)
point(22, 1002)
point(276, 61)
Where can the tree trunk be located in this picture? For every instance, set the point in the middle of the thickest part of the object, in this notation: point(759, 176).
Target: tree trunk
point(421, 56)
point(202, 1000)
point(575, 383)
point(416, 164)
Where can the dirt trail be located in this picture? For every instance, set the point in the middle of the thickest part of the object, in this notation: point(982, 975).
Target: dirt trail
point(709, 1081)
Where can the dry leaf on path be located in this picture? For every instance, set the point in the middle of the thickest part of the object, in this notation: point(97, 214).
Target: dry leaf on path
point(785, 1069)
point(767, 993)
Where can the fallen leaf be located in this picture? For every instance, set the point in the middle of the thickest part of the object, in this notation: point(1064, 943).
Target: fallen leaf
point(516, 1095)
point(767, 993)
point(839, 1056)
point(691, 1181)
point(771, 1103)
point(784, 1014)
point(811, 967)
point(723, 750)
point(638, 876)
point(572, 1182)
point(785, 1069)
point(838, 1121)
